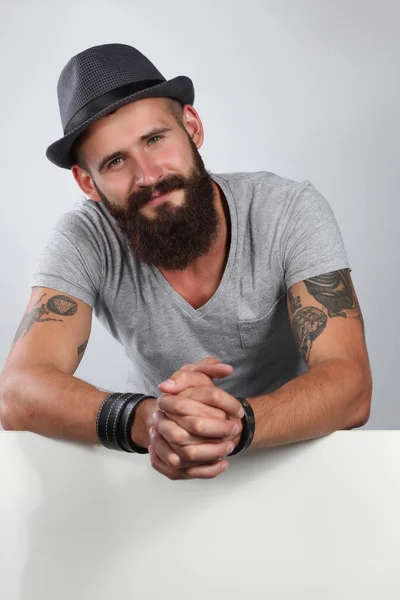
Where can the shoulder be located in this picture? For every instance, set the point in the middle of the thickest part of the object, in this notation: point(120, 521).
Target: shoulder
point(262, 194)
point(261, 185)
point(88, 222)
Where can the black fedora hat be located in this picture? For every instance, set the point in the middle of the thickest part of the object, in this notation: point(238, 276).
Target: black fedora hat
point(101, 79)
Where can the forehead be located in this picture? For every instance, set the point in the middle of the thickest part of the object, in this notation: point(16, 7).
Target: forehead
point(133, 119)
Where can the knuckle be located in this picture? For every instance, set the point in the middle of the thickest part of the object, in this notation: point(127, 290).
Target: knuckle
point(214, 393)
point(178, 437)
point(182, 378)
point(190, 453)
point(211, 359)
point(167, 400)
point(199, 427)
point(184, 368)
point(186, 393)
point(174, 460)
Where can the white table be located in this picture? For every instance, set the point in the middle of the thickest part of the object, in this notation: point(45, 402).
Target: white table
point(316, 520)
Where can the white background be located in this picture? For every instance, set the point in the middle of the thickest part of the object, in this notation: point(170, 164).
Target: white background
point(307, 89)
point(309, 521)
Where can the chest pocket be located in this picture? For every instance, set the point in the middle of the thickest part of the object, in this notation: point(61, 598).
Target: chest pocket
point(259, 331)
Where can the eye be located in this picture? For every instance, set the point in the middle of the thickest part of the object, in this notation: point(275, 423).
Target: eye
point(114, 162)
point(156, 138)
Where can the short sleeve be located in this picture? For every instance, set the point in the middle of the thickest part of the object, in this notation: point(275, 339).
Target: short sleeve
point(70, 258)
point(311, 242)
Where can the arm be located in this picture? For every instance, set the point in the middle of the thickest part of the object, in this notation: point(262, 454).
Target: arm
point(334, 394)
point(38, 391)
point(336, 391)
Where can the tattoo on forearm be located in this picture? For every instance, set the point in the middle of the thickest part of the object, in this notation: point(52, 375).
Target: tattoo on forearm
point(308, 324)
point(82, 349)
point(334, 291)
point(58, 305)
point(295, 302)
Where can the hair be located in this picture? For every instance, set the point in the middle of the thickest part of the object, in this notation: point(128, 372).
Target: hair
point(174, 107)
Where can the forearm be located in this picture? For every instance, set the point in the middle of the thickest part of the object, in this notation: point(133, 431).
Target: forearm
point(333, 395)
point(56, 404)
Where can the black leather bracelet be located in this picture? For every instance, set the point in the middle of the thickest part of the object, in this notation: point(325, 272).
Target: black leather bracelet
point(103, 417)
point(115, 415)
point(114, 421)
point(249, 426)
point(124, 437)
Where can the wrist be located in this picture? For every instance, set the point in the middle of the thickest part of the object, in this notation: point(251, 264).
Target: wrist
point(143, 421)
point(247, 429)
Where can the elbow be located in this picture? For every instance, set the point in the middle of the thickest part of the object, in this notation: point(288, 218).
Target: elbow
point(8, 414)
point(362, 411)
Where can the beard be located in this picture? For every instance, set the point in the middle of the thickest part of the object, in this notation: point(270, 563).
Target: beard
point(174, 236)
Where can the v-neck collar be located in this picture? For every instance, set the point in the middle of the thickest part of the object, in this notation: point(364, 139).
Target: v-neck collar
point(198, 313)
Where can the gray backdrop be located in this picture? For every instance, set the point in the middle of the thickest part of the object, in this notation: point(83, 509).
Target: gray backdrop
point(304, 88)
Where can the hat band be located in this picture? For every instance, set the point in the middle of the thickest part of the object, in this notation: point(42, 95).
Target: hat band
point(95, 106)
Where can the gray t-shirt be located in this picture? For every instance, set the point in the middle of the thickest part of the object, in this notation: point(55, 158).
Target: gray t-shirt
point(282, 232)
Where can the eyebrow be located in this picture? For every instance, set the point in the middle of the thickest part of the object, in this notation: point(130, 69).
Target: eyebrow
point(143, 138)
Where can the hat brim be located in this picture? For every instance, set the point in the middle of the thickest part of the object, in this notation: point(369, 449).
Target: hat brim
point(180, 88)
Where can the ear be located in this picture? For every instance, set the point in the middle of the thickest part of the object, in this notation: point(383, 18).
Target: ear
point(193, 125)
point(85, 182)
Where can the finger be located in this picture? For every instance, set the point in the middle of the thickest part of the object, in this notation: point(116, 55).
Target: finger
point(212, 411)
point(183, 379)
point(207, 472)
point(162, 468)
point(208, 395)
point(182, 405)
point(164, 451)
point(205, 363)
point(176, 435)
point(208, 428)
point(197, 456)
point(203, 454)
point(208, 360)
point(187, 448)
point(217, 370)
point(198, 472)
point(197, 373)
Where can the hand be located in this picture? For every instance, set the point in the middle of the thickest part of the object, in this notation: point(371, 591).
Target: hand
point(191, 433)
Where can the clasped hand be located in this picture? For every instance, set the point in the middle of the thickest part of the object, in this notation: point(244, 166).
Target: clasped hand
point(196, 425)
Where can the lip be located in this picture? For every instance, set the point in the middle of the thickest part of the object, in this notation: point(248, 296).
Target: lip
point(159, 199)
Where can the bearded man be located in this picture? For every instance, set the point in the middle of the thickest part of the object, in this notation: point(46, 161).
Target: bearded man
point(230, 293)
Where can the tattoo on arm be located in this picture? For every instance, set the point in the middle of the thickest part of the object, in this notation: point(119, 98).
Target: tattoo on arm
point(57, 305)
point(307, 325)
point(82, 349)
point(295, 302)
point(334, 291)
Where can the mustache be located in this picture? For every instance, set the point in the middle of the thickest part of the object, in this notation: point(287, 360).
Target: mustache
point(170, 184)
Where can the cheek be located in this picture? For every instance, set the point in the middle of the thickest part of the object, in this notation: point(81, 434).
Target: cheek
point(116, 189)
point(176, 158)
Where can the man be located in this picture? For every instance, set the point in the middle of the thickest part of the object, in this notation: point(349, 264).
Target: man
point(182, 266)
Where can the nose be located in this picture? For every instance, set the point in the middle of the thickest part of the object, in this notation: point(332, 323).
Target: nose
point(146, 172)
